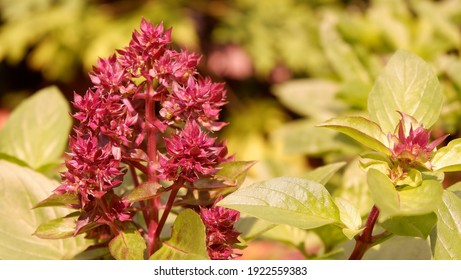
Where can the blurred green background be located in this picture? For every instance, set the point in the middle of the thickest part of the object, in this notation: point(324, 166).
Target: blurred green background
point(288, 65)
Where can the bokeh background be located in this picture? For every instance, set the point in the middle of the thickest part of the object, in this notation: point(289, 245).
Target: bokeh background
point(288, 65)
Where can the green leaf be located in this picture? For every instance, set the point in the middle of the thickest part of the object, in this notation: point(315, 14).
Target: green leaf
point(94, 253)
point(361, 129)
point(294, 236)
point(324, 173)
point(303, 137)
point(293, 201)
point(21, 188)
point(251, 227)
point(407, 85)
point(417, 226)
point(383, 193)
point(59, 200)
point(422, 199)
point(350, 217)
point(446, 238)
point(233, 173)
point(38, 129)
point(340, 54)
point(408, 201)
point(354, 188)
point(400, 248)
point(57, 228)
point(128, 245)
point(331, 236)
point(310, 97)
point(448, 158)
point(188, 239)
point(145, 190)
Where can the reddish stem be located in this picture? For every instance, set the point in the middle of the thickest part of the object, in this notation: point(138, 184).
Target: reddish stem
point(136, 165)
point(154, 204)
point(166, 212)
point(365, 240)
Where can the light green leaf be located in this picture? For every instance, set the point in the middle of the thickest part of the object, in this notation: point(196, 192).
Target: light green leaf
point(293, 201)
point(303, 137)
point(349, 216)
point(57, 228)
point(128, 245)
point(59, 200)
point(355, 188)
point(446, 238)
point(408, 201)
point(94, 253)
point(383, 193)
point(22, 188)
point(400, 248)
point(38, 129)
point(420, 200)
point(310, 97)
point(408, 85)
point(340, 54)
point(448, 158)
point(361, 129)
point(233, 173)
point(414, 178)
point(299, 238)
point(331, 236)
point(145, 190)
point(251, 227)
point(324, 173)
point(188, 239)
point(417, 226)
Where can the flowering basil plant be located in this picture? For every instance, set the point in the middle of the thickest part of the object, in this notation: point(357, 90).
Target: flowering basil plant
point(149, 116)
point(404, 173)
point(146, 177)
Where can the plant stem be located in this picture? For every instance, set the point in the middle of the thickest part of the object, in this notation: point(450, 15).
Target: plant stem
point(153, 209)
point(166, 212)
point(365, 240)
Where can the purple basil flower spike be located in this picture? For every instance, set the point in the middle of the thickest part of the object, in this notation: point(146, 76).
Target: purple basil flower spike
point(220, 233)
point(191, 154)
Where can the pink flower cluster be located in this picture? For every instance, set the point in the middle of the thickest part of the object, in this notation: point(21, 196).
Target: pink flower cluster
point(412, 145)
point(112, 121)
point(220, 233)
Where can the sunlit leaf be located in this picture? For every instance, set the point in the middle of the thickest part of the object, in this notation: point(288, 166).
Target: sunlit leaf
point(409, 201)
point(407, 85)
point(57, 228)
point(145, 190)
point(309, 97)
point(400, 248)
point(361, 129)
point(417, 226)
point(59, 200)
point(355, 188)
point(446, 238)
point(293, 201)
point(251, 227)
point(324, 173)
point(233, 173)
point(294, 236)
point(188, 239)
point(448, 158)
point(303, 137)
point(21, 189)
point(383, 192)
point(349, 216)
point(38, 129)
point(340, 54)
point(128, 245)
point(422, 199)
